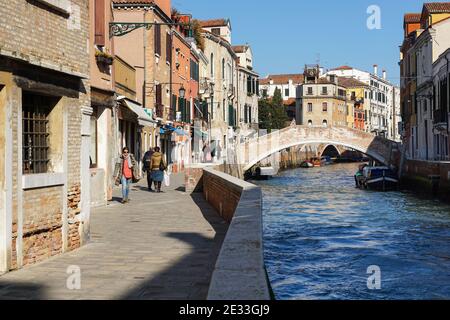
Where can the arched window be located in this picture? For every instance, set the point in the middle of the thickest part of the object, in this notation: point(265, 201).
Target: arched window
point(310, 123)
point(212, 65)
point(325, 123)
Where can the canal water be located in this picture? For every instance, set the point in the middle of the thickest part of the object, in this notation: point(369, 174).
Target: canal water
point(321, 234)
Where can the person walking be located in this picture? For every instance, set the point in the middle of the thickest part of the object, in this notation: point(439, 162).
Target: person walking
point(124, 173)
point(158, 165)
point(147, 160)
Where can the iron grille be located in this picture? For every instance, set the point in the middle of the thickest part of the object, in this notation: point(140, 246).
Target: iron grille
point(35, 134)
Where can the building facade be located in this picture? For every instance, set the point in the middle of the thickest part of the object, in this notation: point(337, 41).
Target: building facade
point(379, 99)
point(103, 102)
point(321, 101)
point(45, 112)
point(247, 92)
point(219, 86)
point(423, 59)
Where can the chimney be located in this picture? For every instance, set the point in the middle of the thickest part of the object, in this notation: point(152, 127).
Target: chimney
point(384, 74)
point(375, 69)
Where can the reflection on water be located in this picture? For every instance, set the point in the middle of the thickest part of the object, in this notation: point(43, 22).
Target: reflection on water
point(321, 234)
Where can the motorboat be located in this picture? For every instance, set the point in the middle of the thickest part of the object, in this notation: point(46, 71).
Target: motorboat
point(326, 160)
point(376, 178)
point(306, 164)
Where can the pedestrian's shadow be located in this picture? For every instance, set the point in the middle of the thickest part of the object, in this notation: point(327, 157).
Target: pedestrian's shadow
point(10, 290)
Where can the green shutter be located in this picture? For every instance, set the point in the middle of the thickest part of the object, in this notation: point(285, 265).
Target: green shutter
point(245, 114)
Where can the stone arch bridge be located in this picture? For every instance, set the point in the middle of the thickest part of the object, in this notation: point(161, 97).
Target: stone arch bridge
point(254, 150)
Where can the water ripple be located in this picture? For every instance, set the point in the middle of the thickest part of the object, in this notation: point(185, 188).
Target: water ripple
point(321, 234)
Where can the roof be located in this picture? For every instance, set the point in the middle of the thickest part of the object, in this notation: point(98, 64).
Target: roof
point(437, 7)
point(412, 17)
point(134, 1)
point(240, 49)
point(282, 78)
point(214, 23)
point(289, 102)
point(350, 82)
point(343, 68)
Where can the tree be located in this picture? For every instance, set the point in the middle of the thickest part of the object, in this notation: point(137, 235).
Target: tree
point(279, 116)
point(265, 113)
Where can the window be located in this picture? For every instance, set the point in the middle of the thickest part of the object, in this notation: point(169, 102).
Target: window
point(94, 138)
point(223, 69)
point(286, 92)
point(324, 123)
point(249, 84)
point(168, 48)
point(157, 39)
point(310, 90)
point(310, 123)
point(310, 107)
point(215, 31)
point(36, 132)
point(212, 65)
point(194, 71)
point(264, 92)
point(324, 91)
point(158, 95)
point(325, 107)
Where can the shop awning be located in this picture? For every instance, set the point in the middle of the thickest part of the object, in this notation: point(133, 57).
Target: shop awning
point(143, 118)
point(170, 129)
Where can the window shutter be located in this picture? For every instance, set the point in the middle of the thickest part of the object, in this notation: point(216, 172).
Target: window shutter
point(157, 39)
point(249, 114)
point(99, 22)
point(169, 48)
point(158, 95)
point(249, 84)
point(188, 111)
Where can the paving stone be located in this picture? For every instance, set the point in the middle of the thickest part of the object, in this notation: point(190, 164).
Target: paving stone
point(159, 246)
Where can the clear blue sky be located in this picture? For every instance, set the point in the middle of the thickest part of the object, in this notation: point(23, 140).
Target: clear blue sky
point(286, 34)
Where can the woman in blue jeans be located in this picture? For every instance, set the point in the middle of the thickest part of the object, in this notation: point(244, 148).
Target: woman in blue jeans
point(125, 172)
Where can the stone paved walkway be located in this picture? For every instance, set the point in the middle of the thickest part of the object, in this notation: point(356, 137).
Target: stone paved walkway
point(160, 246)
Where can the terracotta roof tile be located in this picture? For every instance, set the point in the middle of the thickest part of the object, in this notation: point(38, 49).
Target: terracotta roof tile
point(412, 17)
point(289, 102)
point(437, 7)
point(240, 49)
point(350, 82)
point(282, 78)
point(343, 68)
point(133, 1)
point(213, 23)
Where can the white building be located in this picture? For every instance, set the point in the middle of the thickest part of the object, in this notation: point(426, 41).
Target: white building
point(428, 47)
point(382, 97)
point(287, 83)
point(218, 85)
point(247, 91)
point(441, 107)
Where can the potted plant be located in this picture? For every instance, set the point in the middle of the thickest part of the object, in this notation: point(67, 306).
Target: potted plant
point(103, 57)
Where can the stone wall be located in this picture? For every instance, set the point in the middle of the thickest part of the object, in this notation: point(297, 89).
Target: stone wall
point(43, 50)
point(431, 176)
point(241, 262)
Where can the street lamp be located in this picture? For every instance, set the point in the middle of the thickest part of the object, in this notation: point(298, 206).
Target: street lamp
point(182, 92)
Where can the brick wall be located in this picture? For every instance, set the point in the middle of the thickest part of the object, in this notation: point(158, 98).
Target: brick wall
point(223, 195)
point(33, 32)
point(42, 224)
point(74, 197)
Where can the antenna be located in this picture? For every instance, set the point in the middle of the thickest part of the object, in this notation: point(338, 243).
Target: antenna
point(318, 59)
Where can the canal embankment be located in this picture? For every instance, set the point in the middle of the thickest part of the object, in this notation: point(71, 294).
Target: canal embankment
point(432, 177)
point(239, 273)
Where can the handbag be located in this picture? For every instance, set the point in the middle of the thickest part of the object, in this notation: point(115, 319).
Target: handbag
point(162, 167)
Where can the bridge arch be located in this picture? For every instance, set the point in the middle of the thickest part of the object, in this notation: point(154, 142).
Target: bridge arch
point(257, 149)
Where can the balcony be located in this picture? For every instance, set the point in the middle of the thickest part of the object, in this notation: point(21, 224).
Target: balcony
point(440, 116)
